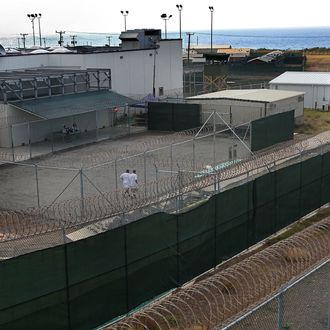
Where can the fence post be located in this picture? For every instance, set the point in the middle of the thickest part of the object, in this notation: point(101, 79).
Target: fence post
point(51, 128)
point(280, 311)
point(194, 155)
point(171, 157)
point(82, 205)
point(67, 283)
point(12, 143)
point(37, 184)
point(96, 127)
point(214, 129)
point(116, 174)
point(145, 172)
point(30, 147)
point(157, 187)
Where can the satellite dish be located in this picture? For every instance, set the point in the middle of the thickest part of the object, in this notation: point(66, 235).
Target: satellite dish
point(2, 51)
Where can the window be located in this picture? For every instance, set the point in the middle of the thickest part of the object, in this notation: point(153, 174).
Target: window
point(161, 91)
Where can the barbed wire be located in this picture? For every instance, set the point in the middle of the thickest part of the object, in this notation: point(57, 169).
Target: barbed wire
point(214, 301)
point(104, 205)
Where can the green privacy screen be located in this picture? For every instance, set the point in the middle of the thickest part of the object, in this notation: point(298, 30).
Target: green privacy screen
point(271, 130)
point(87, 283)
point(173, 116)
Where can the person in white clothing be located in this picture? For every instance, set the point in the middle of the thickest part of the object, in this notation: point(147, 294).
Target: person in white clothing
point(125, 178)
point(133, 183)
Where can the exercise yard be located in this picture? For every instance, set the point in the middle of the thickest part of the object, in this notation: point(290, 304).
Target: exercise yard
point(95, 169)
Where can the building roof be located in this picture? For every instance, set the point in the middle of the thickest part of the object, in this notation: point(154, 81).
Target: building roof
point(213, 46)
point(252, 95)
point(72, 104)
point(269, 57)
point(302, 78)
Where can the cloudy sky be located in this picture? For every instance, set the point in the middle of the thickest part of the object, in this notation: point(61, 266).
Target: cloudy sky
point(104, 15)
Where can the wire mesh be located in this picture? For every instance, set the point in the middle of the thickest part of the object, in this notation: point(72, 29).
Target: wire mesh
point(89, 195)
point(215, 301)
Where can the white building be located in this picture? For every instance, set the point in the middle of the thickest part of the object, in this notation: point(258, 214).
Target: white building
point(239, 107)
point(42, 91)
point(315, 85)
point(137, 68)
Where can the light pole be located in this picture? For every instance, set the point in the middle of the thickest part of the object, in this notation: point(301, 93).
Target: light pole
point(39, 18)
point(124, 13)
point(165, 18)
point(180, 10)
point(211, 10)
point(32, 17)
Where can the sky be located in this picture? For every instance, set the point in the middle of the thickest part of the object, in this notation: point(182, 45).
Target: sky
point(104, 15)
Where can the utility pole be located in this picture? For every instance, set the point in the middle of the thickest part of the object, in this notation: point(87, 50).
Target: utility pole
point(73, 40)
point(18, 43)
point(61, 41)
point(24, 38)
point(189, 34)
point(109, 40)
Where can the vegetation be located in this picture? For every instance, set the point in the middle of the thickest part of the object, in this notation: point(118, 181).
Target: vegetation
point(315, 122)
point(300, 225)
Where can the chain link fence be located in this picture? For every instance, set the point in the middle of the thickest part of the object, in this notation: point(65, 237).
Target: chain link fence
point(303, 304)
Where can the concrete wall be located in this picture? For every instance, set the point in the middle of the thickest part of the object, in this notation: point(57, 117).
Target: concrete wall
point(318, 94)
point(131, 71)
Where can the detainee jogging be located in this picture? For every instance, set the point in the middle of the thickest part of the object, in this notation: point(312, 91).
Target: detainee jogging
point(133, 183)
point(125, 178)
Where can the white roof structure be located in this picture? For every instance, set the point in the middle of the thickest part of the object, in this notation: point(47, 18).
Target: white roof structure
point(61, 50)
point(252, 95)
point(302, 78)
point(40, 51)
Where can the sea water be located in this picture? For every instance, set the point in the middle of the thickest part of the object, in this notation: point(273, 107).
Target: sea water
point(284, 38)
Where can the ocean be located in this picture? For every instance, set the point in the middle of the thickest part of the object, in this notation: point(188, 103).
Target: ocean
point(284, 38)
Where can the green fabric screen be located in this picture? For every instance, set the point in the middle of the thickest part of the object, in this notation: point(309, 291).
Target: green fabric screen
point(173, 116)
point(84, 284)
point(33, 291)
point(151, 256)
point(196, 238)
point(96, 272)
point(232, 221)
point(270, 130)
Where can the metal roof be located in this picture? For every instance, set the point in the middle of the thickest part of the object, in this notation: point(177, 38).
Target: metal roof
point(252, 95)
point(72, 104)
point(302, 78)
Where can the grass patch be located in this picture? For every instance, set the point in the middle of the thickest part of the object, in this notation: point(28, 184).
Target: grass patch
point(315, 122)
point(300, 225)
